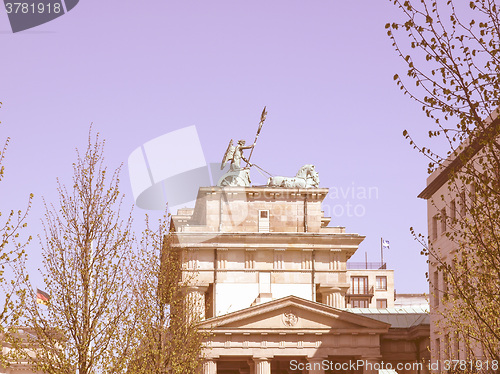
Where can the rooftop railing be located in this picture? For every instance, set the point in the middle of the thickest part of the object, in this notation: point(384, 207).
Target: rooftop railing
point(366, 265)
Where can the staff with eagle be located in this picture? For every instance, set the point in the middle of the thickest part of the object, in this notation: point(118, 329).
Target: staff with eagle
point(238, 176)
point(306, 177)
point(235, 153)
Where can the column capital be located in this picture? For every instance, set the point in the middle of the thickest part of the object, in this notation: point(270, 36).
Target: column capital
point(261, 358)
point(196, 288)
point(262, 365)
point(209, 366)
point(329, 288)
point(332, 295)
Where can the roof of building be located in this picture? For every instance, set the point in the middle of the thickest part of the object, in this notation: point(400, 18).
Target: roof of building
point(408, 300)
point(456, 160)
point(401, 317)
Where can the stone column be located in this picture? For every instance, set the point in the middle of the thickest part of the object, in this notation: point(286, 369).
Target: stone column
point(332, 296)
point(316, 365)
point(195, 297)
point(209, 367)
point(262, 365)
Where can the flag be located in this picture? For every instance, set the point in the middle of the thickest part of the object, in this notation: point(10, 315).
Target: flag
point(42, 297)
point(385, 244)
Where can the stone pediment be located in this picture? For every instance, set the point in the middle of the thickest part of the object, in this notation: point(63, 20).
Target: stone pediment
point(292, 313)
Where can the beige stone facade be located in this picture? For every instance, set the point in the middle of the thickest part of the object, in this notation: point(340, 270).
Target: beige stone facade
point(370, 288)
point(441, 202)
point(412, 300)
point(437, 238)
point(272, 277)
point(248, 245)
point(447, 201)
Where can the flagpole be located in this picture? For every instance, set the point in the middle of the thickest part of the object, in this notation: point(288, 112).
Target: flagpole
point(382, 251)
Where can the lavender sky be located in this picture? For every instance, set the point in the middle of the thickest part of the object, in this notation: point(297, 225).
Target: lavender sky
point(138, 70)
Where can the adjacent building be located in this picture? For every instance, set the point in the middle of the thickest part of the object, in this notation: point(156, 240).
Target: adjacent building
point(370, 286)
point(23, 366)
point(411, 300)
point(448, 202)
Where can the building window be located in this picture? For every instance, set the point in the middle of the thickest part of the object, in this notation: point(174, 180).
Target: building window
point(443, 220)
point(382, 283)
point(473, 192)
point(436, 288)
point(453, 210)
point(463, 206)
point(263, 220)
point(437, 350)
point(468, 349)
point(447, 352)
point(381, 303)
point(456, 342)
point(359, 285)
point(445, 285)
point(359, 303)
point(434, 229)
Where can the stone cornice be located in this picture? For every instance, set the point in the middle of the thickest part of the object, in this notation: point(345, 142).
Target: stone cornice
point(457, 160)
point(289, 240)
point(409, 333)
point(267, 192)
point(289, 331)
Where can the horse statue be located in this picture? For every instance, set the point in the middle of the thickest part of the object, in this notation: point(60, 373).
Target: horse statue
point(306, 177)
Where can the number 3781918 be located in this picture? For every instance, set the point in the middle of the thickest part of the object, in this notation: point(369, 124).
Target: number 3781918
point(33, 8)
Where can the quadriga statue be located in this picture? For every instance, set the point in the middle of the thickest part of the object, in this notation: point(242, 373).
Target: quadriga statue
point(306, 177)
